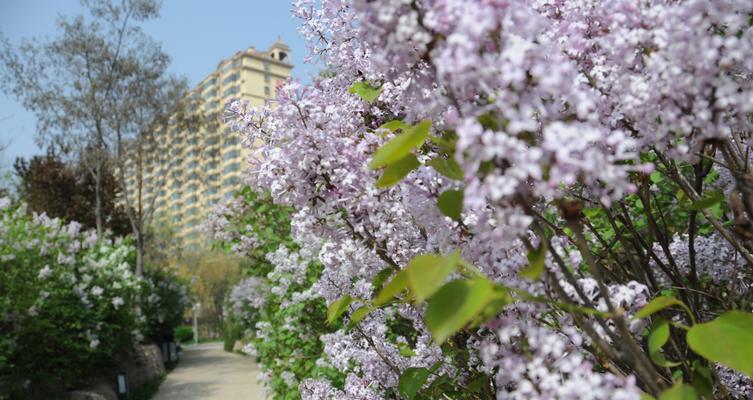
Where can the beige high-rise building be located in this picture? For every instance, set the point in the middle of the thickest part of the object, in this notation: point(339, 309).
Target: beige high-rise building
point(194, 169)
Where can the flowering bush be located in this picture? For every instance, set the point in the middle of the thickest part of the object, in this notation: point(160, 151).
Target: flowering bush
point(67, 300)
point(274, 303)
point(522, 199)
point(164, 298)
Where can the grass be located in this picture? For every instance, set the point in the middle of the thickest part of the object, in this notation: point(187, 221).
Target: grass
point(149, 389)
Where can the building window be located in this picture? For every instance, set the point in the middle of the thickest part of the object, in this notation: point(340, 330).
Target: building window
point(230, 78)
point(231, 91)
point(266, 91)
point(266, 76)
point(232, 181)
point(231, 155)
point(232, 140)
point(231, 168)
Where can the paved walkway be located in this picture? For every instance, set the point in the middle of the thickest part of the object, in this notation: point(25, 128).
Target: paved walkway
point(208, 372)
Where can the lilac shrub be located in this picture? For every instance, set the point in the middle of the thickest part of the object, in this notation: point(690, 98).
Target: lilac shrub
point(67, 303)
point(280, 317)
point(578, 170)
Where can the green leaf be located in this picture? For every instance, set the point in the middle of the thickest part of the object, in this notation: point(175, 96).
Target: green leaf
point(679, 391)
point(536, 258)
point(398, 283)
point(499, 299)
point(426, 273)
point(337, 308)
point(397, 171)
point(656, 177)
point(450, 202)
point(365, 91)
point(727, 340)
point(411, 381)
point(400, 145)
point(455, 305)
point(659, 304)
point(702, 381)
point(447, 167)
point(708, 201)
point(657, 337)
point(358, 315)
point(394, 125)
point(381, 277)
point(405, 350)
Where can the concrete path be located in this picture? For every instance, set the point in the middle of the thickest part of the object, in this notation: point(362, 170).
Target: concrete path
point(208, 372)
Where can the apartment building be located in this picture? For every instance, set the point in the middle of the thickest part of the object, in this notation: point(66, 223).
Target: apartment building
point(188, 171)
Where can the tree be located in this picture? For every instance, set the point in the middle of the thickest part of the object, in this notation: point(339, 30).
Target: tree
point(97, 89)
point(49, 185)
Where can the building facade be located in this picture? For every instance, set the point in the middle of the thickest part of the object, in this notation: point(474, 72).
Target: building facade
point(188, 171)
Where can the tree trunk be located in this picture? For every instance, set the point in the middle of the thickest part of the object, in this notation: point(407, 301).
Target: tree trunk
point(98, 197)
point(139, 253)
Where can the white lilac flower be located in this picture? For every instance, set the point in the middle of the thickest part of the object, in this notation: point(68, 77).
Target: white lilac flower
point(44, 272)
point(117, 302)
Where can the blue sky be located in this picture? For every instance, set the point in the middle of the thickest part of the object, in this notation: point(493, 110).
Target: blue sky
point(196, 33)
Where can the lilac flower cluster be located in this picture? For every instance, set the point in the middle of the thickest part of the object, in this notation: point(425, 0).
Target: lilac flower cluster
point(541, 100)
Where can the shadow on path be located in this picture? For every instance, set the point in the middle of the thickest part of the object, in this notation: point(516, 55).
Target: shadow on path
point(208, 372)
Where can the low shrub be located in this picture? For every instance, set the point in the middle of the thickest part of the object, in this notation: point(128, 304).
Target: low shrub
point(272, 307)
point(67, 302)
point(231, 334)
point(164, 298)
point(183, 333)
point(70, 303)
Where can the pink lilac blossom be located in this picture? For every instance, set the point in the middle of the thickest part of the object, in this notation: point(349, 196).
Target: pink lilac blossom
point(543, 95)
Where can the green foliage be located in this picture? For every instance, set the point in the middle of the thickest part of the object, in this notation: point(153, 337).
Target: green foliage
point(267, 222)
point(657, 338)
point(148, 390)
point(727, 340)
point(447, 167)
point(183, 333)
point(68, 301)
point(290, 341)
point(450, 203)
point(679, 391)
point(365, 91)
point(164, 298)
point(427, 272)
point(337, 308)
point(397, 171)
point(536, 258)
point(411, 381)
point(659, 304)
point(231, 334)
point(456, 304)
point(401, 145)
